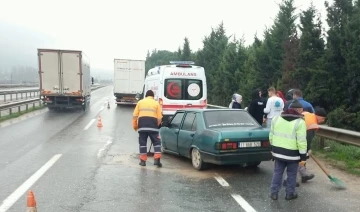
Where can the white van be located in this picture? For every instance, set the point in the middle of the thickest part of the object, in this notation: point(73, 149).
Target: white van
point(177, 86)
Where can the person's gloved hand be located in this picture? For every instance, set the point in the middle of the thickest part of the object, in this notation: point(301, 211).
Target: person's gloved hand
point(134, 124)
point(302, 163)
point(246, 108)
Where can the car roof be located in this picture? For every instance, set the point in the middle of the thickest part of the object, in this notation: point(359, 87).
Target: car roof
point(204, 110)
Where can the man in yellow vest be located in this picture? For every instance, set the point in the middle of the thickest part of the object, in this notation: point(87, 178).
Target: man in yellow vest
point(146, 120)
point(311, 120)
point(288, 147)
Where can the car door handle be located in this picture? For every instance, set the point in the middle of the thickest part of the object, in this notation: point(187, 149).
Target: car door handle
point(192, 134)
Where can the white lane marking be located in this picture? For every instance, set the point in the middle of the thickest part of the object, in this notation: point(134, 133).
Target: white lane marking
point(221, 180)
point(89, 125)
point(100, 152)
point(10, 200)
point(242, 202)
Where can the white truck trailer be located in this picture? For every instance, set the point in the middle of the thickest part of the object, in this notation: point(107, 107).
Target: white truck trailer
point(129, 77)
point(65, 80)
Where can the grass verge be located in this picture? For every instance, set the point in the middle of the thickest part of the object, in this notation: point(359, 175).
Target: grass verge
point(17, 114)
point(341, 156)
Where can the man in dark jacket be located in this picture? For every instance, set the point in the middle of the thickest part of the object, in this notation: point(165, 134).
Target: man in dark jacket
point(256, 107)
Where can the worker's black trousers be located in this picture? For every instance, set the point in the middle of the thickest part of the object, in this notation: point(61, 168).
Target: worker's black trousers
point(154, 137)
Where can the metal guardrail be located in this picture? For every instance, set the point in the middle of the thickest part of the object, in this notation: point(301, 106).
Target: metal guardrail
point(11, 95)
point(26, 103)
point(332, 133)
point(17, 85)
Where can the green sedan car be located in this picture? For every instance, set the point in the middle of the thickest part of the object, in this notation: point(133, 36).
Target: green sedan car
point(216, 136)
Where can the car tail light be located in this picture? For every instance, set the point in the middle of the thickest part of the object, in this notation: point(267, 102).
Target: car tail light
point(160, 101)
point(225, 145)
point(265, 144)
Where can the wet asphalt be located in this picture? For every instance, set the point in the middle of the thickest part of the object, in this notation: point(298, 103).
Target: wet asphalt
point(98, 170)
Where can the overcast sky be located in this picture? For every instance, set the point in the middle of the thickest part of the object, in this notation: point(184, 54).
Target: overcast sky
point(106, 29)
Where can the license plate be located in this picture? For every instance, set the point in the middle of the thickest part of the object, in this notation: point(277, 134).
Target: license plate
point(249, 144)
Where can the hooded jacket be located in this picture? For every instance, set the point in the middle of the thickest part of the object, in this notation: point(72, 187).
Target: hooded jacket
point(236, 101)
point(256, 107)
point(288, 137)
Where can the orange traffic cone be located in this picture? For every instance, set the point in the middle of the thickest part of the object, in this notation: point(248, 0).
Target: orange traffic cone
point(99, 123)
point(30, 203)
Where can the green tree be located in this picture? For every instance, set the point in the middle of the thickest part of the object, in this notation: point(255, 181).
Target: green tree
point(186, 52)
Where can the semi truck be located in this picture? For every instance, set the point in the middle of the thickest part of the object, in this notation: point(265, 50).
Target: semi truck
point(65, 80)
point(129, 77)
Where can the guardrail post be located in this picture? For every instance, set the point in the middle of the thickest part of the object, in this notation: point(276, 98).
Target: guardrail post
point(10, 111)
point(19, 109)
point(34, 105)
point(322, 143)
point(27, 107)
point(21, 95)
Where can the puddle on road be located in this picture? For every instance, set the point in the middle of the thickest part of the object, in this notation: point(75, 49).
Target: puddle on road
point(171, 164)
point(178, 165)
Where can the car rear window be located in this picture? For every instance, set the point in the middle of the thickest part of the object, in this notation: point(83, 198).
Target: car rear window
point(183, 89)
point(228, 118)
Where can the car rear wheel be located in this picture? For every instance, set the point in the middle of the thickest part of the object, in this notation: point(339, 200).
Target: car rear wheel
point(196, 160)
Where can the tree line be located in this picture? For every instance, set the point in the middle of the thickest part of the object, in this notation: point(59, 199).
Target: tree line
point(325, 65)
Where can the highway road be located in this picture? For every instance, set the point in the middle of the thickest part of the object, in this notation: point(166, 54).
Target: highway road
point(71, 165)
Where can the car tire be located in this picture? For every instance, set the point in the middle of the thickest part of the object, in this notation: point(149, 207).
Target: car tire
point(196, 160)
point(253, 164)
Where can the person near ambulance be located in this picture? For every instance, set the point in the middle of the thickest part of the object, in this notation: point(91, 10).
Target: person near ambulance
point(146, 120)
point(236, 101)
point(274, 106)
point(288, 147)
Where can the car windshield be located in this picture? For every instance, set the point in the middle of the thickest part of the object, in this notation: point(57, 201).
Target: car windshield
point(228, 118)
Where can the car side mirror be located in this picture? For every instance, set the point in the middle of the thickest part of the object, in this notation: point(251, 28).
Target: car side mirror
point(165, 124)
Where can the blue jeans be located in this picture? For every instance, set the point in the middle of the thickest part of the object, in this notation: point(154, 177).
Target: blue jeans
point(277, 179)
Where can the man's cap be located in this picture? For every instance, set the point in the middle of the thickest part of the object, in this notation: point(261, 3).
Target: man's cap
point(295, 104)
point(149, 93)
point(320, 112)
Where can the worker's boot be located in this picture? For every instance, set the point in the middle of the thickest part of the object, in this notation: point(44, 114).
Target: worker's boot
point(307, 177)
point(142, 163)
point(297, 184)
point(157, 162)
point(291, 196)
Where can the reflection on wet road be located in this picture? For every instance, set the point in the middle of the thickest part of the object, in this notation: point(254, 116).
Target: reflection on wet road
point(96, 169)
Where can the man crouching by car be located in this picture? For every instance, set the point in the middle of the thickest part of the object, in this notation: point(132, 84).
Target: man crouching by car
point(288, 147)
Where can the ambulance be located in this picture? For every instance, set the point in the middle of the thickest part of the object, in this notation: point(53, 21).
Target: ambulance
point(177, 86)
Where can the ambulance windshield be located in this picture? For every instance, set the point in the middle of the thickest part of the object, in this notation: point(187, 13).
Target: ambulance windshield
point(183, 89)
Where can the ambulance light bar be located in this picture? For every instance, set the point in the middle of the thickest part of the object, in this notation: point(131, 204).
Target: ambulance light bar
point(182, 62)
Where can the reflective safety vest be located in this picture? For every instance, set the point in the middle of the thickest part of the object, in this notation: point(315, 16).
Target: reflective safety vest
point(147, 115)
point(288, 138)
point(310, 120)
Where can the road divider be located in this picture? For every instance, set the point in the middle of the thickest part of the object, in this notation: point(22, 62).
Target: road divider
point(332, 133)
